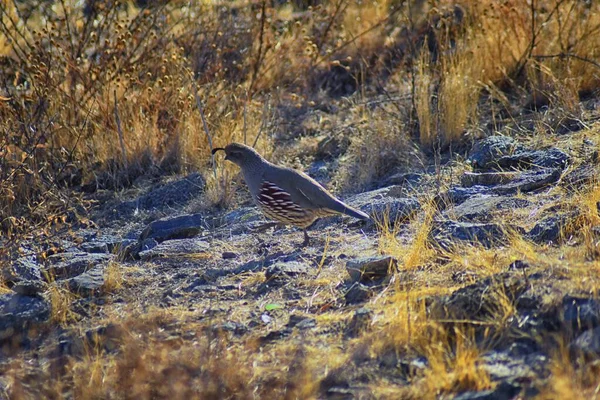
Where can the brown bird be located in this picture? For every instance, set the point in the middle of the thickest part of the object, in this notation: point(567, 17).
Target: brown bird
point(284, 194)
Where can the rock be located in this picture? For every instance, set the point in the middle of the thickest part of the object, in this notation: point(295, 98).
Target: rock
point(487, 178)
point(106, 338)
point(549, 158)
point(486, 152)
point(503, 391)
point(457, 195)
point(588, 343)
point(479, 300)
point(359, 293)
point(501, 153)
point(405, 178)
point(29, 288)
point(549, 229)
point(286, 269)
point(394, 210)
point(88, 283)
point(360, 322)
point(94, 247)
point(166, 196)
point(181, 227)
point(367, 269)
point(181, 247)
point(446, 233)
point(477, 208)
point(529, 181)
point(301, 322)
point(229, 255)
point(580, 176)
point(68, 265)
point(102, 244)
point(20, 313)
point(23, 269)
point(231, 326)
point(580, 313)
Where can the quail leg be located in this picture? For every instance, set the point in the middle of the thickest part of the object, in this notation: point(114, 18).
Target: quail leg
point(306, 238)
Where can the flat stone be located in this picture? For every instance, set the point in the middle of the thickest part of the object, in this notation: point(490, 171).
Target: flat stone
point(446, 233)
point(549, 229)
point(393, 210)
point(29, 288)
point(529, 181)
point(68, 265)
point(478, 208)
point(486, 152)
point(588, 343)
point(580, 313)
point(487, 178)
point(369, 269)
point(88, 283)
point(23, 269)
point(360, 322)
point(181, 227)
point(180, 247)
point(552, 158)
point(287, 269)
point(20, 313)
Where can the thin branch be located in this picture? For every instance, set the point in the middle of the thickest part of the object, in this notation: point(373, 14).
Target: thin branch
point(205, 126)
point(120, 131)
point(569, 55)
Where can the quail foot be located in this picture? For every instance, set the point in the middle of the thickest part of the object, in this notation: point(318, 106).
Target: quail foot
point(283, 194)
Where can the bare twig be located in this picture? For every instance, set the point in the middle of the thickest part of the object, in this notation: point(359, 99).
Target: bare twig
point(205, 126)
point(260, 46)
point(120, 131)
point(263, 122)
point(569, 55)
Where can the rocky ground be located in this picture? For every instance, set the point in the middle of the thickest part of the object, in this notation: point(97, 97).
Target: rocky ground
point(491, 246)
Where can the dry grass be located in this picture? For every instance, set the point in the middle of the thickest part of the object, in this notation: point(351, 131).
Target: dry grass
point(97, 101)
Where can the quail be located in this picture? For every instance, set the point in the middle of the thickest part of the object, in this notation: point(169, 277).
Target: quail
point(283, 194)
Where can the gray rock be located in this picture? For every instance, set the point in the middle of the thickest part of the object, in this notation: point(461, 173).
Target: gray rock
point(23, 269)
point(581, 176)
point(286, 269)
point(367, 269)
point(95, 247)
point(477, 208)
point(580, 313)
point(394, 210)
point(503, 391)
point(68, 265)
point(486, 152)
point(360, 322)
point(457, 194)
point(588, 343)
point(405, 178)
point(549, 229)
point(88, 283)
point(359, 293)
point(181, 227)
point(20, 313)
point(181, 247)
point(477, 301)
point(549, 158)
point(487, 178)
point(106, 338)
point(301, 322)
point(529, 181)
point(228, 255)
point(446, 233)
point(166, 196)
point(29, 288)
